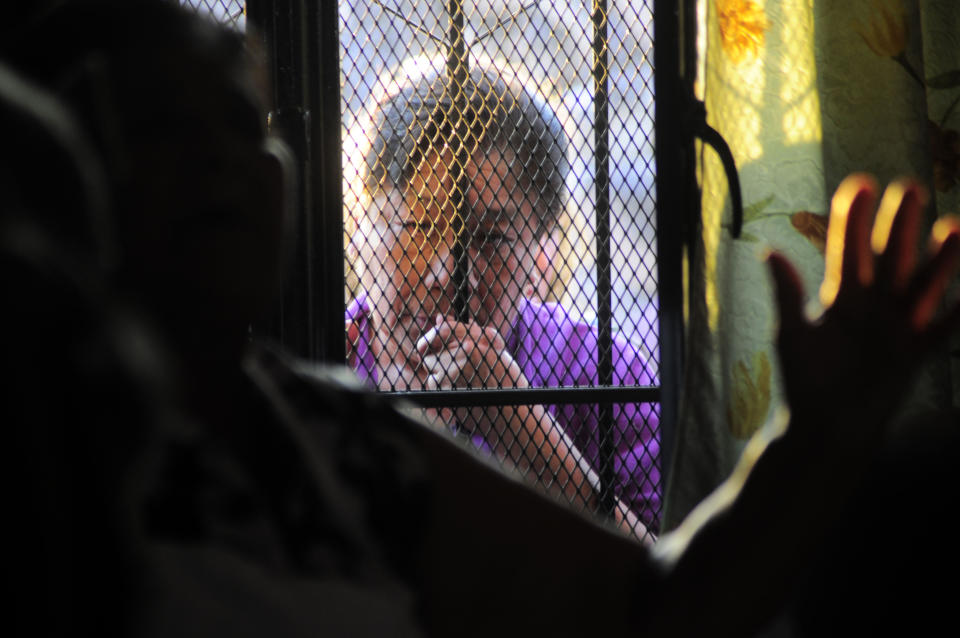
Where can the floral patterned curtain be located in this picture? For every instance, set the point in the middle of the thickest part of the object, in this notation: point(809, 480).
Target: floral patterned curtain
point(805, 92)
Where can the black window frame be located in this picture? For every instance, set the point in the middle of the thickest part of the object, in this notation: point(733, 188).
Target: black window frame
point(302, 43)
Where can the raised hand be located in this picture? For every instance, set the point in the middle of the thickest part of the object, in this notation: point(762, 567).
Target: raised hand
point(858, 359)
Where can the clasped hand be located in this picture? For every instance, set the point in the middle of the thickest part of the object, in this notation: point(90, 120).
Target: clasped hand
point(455, 354)
point(458, 355)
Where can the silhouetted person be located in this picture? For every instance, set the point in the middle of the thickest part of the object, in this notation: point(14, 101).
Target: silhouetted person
point(82, 393)
point(890, 568)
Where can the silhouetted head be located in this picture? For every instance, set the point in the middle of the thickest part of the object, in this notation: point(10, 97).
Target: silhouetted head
point(174, 106)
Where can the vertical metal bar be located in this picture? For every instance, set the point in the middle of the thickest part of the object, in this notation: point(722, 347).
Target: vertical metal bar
point(674, 59)
point(284, 36)
point(457, 74)
point(604, 297)
point(258, 12)
point(302, 76)
point(302, 41)
point(325, 174)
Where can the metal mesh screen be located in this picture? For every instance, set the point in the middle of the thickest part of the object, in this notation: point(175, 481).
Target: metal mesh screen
point(228, 12)
point(500, 224)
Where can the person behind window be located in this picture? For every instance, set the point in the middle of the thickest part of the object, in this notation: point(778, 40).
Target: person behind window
point(403, 328)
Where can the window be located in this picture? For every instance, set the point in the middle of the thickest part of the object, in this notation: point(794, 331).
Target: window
point(513, 193)
point(229, 12)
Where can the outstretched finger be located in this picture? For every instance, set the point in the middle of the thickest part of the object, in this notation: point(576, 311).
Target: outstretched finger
point(848, 256)
point(430, 341)
point(443, 369)
point(894, 237)
point(931, 280)
point(443, 334)
point(494, 338)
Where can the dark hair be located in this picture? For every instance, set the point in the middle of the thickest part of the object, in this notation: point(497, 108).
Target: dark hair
point(500, 114)
point(91, 54)
point(51, 41)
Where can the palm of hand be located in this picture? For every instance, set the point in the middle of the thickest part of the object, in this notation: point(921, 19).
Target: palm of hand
point(857, 359)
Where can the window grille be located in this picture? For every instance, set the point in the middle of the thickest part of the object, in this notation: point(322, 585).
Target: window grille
point(596, 270)
point(228, 12)
point(594, 73)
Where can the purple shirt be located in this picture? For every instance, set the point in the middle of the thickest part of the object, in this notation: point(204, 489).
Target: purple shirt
point(554, 350)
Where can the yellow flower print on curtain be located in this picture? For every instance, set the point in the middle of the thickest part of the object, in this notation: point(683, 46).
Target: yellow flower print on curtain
point(749, 401)
point(804, 92)
point(813, 226)
point(742, 26)
point(886, 32)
